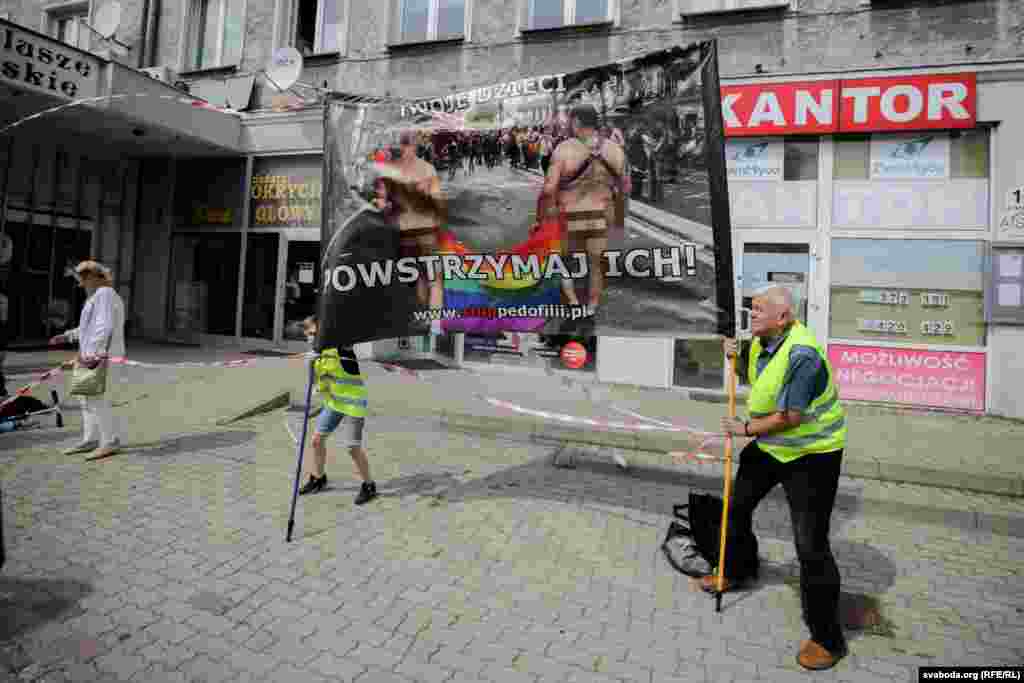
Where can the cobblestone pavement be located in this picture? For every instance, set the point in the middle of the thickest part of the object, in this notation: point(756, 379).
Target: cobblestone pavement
point(480, 562)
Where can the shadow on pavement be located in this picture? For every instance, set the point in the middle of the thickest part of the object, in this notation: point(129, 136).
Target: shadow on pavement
point(27, 604)
point(206, 441)
point(34, 438)
point(644, 494)
point(594, 478)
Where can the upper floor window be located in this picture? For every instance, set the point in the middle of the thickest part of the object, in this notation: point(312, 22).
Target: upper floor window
point(215, 30)
point(558, 13)
point(427, 20)
point(696, 7)
point(318, 26)
point(68, 25)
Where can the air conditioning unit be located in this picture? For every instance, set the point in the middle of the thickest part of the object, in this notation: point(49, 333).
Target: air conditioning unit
point(159, 73)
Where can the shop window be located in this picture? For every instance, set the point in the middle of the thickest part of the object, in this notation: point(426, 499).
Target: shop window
point(318, 26)
point(968, 154)
point(801, 159)
point(772, 159)
point(699, 363)
point(908, 291)
point(215, 33)
point(286, 192)
point(917, 156)
point(68, 25)
point(547, 14)
point(428, 20)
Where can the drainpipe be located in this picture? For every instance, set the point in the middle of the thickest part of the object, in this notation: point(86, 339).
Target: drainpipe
point(154, 30)
point(144, 38)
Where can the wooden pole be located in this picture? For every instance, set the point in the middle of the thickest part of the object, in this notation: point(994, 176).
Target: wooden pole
point(727, 493)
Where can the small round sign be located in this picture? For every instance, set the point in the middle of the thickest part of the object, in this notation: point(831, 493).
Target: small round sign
point(574, 355)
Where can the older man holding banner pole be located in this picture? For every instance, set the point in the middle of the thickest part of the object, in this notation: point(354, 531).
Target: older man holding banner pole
point(798, 427)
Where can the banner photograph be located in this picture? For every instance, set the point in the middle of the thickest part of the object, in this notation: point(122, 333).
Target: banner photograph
point(558, 204)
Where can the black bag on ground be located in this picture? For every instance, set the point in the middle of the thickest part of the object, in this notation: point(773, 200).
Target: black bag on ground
point(21, 406)
point(691, 545)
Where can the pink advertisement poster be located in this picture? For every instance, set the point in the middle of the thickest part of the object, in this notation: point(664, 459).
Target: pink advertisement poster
point(940, 379)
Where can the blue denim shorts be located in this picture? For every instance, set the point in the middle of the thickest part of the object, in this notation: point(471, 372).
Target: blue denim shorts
point(351, 431)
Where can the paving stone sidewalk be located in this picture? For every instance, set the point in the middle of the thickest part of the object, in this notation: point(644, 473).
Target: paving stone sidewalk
point(480, 562)
point(960, 452)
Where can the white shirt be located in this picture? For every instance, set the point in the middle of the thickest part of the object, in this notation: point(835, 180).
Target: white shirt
point(102, 319)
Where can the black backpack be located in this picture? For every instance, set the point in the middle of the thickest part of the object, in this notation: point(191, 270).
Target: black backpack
point(691, 545)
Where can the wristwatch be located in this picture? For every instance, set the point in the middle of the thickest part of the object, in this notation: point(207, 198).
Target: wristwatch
point(746, 428)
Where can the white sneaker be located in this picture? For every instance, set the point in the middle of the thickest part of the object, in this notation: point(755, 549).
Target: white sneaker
point(620, 461)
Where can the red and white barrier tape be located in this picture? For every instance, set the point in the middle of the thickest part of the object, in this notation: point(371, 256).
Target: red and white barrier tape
point(654, 425)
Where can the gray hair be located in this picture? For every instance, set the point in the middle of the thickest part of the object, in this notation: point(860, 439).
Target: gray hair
point(779, 295)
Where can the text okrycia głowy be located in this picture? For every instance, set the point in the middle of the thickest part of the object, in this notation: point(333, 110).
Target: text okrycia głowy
point(667, 262)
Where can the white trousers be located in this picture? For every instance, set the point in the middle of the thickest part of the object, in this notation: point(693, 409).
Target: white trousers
point(98, 421)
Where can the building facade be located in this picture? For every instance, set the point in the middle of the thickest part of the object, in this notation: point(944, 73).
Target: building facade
point(882, 188)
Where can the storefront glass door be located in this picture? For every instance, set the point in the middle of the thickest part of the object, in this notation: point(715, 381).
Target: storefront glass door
point(301, 287)
point(260, 285)
point(204, 285)
point(765, 263)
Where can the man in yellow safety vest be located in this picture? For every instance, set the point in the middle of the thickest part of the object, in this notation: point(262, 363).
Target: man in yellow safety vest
point(798, 427)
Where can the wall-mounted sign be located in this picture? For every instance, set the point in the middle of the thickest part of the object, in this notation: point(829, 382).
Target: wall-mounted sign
point(910, 376)
point(861, 105)
point(883, 297)
point(908, 316)
point(288, 200)
point(754, 159)
point(34, 62)
point(1011, 219)
point(919, 157)
point(202, 215)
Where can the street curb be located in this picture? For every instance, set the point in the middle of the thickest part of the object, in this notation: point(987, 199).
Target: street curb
point(280, 400)
point(859, 468)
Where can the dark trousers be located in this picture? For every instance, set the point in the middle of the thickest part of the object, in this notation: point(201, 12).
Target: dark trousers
point(810, 483)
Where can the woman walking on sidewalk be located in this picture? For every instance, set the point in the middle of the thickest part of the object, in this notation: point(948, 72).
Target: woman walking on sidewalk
point(343, 388)
point(100, 335)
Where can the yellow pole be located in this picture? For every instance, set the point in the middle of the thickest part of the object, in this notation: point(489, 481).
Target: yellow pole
point(727, 493)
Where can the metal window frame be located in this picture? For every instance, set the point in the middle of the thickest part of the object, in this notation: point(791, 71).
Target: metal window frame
point(569, 12)
point(433, 19)
point(75, 13)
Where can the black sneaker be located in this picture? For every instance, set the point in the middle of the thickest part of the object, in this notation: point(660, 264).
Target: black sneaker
point(314, 485)
point(367, 492)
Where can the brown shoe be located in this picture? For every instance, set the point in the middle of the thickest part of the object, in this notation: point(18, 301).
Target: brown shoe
point(106, 451)
point(815, 657)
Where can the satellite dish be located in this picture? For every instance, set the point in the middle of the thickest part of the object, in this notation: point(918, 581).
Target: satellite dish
point(108, 18)
point(285, 67)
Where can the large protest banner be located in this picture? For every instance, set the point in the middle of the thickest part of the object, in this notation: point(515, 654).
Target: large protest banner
point(586, 203)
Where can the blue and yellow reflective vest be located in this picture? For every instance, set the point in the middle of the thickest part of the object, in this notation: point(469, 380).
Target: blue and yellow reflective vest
point(824, 427)
point(342, 391)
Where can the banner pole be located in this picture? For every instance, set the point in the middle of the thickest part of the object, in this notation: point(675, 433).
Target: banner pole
point(301, 449)
point(727, 492)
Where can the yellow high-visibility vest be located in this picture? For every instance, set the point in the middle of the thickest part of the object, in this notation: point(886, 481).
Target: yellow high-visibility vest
point(824, 427)
point(343, 392)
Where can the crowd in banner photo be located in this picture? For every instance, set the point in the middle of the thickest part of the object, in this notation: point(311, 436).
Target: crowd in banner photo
point(522, 207)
